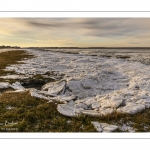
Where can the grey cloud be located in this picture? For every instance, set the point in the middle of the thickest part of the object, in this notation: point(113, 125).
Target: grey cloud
point(97, 27)
point(43, 25)
point(104, 27)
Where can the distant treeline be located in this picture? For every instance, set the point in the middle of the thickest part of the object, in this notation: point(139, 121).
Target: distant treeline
point(3, 46)
point(88, 47)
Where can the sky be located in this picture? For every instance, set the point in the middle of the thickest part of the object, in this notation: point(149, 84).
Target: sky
point(75, 32)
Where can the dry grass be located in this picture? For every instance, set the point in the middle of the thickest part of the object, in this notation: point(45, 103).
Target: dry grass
point(9, 58)
point(36, 115)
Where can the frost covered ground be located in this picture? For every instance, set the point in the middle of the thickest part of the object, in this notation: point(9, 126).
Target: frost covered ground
point(91, 85)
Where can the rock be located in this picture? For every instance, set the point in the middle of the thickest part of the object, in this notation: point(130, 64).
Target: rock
point(66, 110)
point(131, 108)
point(4, 85)
point(17, 86)
point(104, 127)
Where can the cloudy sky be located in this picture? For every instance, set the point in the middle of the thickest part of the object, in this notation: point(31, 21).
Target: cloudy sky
point(82, 32)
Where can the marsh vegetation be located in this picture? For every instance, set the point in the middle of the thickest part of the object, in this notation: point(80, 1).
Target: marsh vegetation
point(24, 113)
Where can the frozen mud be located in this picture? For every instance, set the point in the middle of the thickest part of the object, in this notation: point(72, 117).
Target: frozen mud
point(91, 85)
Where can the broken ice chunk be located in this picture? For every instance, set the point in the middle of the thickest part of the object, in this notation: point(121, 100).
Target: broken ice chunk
point(95, 105)
point(91, 113)
point(104, 127)
point(80, 105)
point(145, 102)
point(105, 111)
point(55, 87)
point(4, 85)
point(108, 128)
point(17, 86)
point(131, 108)
point(74, 85)
point(14, 77)
point(97, 126)
point(66, 110)
point(36, 94)
point(66, 98)
point(63, 98)
point(89, 101)
point(116, 101)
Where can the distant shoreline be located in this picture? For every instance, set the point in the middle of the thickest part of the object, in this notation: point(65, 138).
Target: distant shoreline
point(87, 47)
point(7, 49)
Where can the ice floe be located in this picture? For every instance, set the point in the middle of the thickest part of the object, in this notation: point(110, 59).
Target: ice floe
point(131, 108)
point(36, 94)
point(90, 85)
point(13, 77)
point(17, 86)
point(67, 110)
point(16, 91)
point(127, 128)
point(63, 98)
point(104, 127)
point(4, 85)
point(55, 88)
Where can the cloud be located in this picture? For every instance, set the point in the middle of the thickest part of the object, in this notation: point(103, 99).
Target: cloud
point(102, 27)
point(100, 30)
